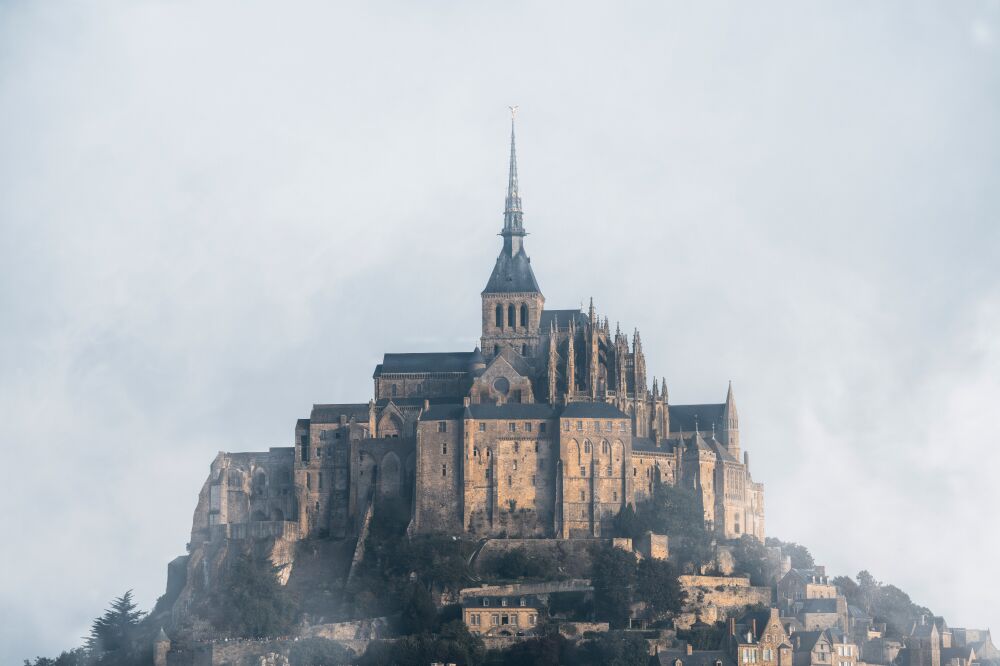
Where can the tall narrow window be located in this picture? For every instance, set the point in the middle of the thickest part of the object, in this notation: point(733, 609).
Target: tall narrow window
point(524, 315)
point(499, 316)
point(444, 470)
point(511, 316)
point(442, 426)
point(444, 449)
point(394, 390)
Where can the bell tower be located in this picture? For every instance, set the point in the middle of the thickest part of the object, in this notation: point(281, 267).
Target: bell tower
point(512, 301)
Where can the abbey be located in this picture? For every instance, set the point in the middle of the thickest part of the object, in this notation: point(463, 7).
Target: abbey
point(547, 429)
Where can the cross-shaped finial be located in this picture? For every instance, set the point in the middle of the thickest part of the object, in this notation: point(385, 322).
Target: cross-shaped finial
point(513, 111)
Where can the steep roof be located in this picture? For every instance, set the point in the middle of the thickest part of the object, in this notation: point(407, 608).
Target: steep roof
point(512, 274)
point(419, 363)
point(562, 318)
point(442, 413)
point(819, 605)
point(600, 410)
point(686, 417)
point(332, 413)
point(805, 641)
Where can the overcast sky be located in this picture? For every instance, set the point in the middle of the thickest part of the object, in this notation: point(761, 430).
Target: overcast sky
point(213, 215)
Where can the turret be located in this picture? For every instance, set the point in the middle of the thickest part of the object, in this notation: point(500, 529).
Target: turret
point(553, 363)
point(571, 362)
point(731, 424)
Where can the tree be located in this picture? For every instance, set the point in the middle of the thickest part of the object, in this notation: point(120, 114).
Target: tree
point(850, 589)
point(111, 635)
point(800, 556)
point(676, 512)
point(250, 601)
point(541, 651)
point(658, 586)
point(418, 614)
point(751, 559)
point(615, 648)
point(614, 578)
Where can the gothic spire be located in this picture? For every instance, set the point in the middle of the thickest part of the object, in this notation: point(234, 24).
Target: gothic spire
point(513, 215)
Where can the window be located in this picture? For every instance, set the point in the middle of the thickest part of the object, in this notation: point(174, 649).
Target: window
point(517, 449)
point(524, 349)
point(510, 481)
point(317, 505)
point(511, 316)
point(634, 471)
point(495, 619)
point(503, 602)
point(499, 319)
point(444, 470)
point(524, 317)
point(586, 447)
point(419, 387)
point(486, 601)
point(532, 480)
point(515, 465)
point(579, 425)
point(767, 654)
point(614, 496)
point(541, 427)
point(513, 619)
point(609, 470)
point(583, 495)
point(536, 447)
point(583, 471)
point(482, 427)
point(487, 472)
point(475, 452)
point(309, 480)
point(321, 480)
point(444, 449)
point(442, 426)
point(566, 426)
point(532, 619)
point(527, 426)
point(393, 390)
point(512, 427)
point(610, 426)
point(487, 453)
point(522, 602)
point(605, 448)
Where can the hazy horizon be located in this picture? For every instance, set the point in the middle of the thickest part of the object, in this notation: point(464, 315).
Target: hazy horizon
point(214, 216)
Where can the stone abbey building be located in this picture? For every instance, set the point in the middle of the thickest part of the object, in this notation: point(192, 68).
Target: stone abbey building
point(547, 429)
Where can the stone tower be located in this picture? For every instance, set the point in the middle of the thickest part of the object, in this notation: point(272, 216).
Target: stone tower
point(512, 301)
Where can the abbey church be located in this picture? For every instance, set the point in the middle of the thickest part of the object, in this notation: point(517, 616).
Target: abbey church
point(548, 428)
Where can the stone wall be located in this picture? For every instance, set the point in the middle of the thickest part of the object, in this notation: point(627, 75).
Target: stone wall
point(710, 598)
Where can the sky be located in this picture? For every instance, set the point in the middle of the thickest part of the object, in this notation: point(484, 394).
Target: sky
point(213, 215)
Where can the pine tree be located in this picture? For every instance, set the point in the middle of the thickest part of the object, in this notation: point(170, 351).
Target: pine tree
point(113, 631)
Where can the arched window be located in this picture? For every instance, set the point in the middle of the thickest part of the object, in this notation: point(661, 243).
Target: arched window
point(524, 315)
point(511, 314)
point(586, 447)
point(605, 447)
point(394, 389)
point(499, 316)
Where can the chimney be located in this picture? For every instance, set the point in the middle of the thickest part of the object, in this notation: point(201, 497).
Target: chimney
point(689, 648)
point(465, 401)
point(427, 404)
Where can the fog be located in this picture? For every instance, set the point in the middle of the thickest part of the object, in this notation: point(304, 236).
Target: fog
point(213, 215)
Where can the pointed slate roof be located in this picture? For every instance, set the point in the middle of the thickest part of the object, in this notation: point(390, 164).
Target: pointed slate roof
point(512, 274)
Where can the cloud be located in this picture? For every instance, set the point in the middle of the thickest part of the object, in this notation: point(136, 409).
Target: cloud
point(213, 216)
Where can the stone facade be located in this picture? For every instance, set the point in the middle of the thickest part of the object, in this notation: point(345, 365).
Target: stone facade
point(546, 430)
